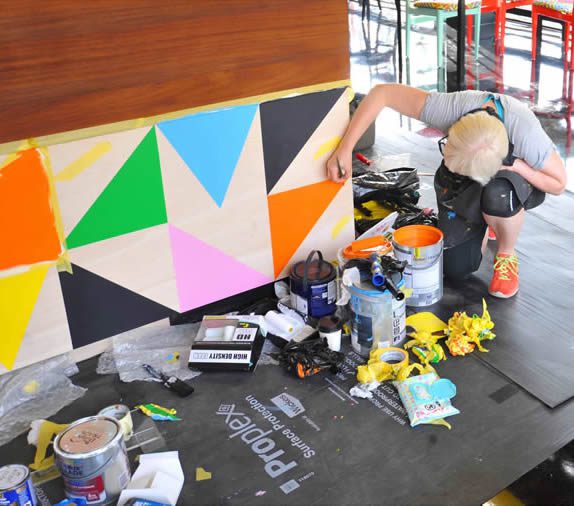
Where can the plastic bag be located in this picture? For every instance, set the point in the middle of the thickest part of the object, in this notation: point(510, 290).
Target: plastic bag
point(34, 392)
point(402, 179)
point(158, 344)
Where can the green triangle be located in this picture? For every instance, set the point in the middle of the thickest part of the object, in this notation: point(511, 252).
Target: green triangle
point(133, 199)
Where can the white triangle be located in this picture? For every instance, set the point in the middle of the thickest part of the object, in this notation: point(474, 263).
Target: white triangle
point(76, 195)
point(140, 261)
point(240, 227)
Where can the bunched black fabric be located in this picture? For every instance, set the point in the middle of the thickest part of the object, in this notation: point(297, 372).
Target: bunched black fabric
point(499, 198)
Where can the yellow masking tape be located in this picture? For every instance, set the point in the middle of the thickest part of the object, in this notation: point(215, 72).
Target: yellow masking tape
point(63, 263)
point(84, 133)
point(86, 160)
point(122, 414)
point(384, 364)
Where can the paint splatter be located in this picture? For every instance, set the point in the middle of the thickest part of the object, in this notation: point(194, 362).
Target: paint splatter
point(327, 147)
point(339, 226)
point(201, 474)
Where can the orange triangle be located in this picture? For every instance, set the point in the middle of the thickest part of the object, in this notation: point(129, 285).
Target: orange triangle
point(292, 215)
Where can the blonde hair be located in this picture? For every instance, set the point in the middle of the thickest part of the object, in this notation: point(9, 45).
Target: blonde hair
point(476, 146)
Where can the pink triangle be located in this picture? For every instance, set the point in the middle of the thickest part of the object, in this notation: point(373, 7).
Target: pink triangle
point(204, 274)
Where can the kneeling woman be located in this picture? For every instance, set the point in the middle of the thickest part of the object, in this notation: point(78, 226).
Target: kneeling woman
point(498, 162)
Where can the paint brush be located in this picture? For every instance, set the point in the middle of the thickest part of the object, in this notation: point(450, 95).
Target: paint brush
point(340, 169)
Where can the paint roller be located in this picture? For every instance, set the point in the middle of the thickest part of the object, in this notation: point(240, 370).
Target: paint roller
point(279, 321)
point(382, 269)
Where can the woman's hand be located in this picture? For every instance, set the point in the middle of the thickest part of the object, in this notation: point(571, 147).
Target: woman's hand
point(340, 166)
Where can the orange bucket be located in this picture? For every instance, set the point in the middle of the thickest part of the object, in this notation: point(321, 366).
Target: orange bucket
point(421, 246)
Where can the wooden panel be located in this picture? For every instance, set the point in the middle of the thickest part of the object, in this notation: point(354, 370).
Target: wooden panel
point(67, 65)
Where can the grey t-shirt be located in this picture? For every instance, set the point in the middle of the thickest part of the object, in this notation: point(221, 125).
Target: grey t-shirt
point(531, 143)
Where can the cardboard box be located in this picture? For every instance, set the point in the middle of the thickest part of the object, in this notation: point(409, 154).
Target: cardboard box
point(226, 343)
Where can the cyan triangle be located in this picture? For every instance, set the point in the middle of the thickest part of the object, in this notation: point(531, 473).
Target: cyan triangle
point(210, 143)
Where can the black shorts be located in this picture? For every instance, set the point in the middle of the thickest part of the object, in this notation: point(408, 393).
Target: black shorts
point(461, 219)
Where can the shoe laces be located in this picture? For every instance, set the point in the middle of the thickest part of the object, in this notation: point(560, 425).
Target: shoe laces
point(505, 266)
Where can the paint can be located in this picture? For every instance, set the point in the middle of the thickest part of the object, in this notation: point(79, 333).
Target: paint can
point(123, 415)
point(313, 286)
point(377, 318)
point(421, 246)
point(92, 457)
point(16, 487)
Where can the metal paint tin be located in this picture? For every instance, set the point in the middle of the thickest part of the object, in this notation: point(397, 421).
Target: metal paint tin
point(313, 286)
point(421, 246)
point(16, 487)
point(92, 458)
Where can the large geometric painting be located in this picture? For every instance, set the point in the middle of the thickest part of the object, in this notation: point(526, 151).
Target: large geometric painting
point(120, 230)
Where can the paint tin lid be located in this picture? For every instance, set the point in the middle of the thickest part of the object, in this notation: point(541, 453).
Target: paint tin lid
point(328, 324)
point(13, 476)
point(88, 436)
point(314, 271)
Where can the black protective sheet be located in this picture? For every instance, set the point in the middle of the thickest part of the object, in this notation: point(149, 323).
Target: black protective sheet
point(535, 342)
point(359, 452)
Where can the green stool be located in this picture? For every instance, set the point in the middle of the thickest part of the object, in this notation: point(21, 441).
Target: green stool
point(439, 11)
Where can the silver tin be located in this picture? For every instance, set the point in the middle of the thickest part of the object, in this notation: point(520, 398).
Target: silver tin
point(92, 458)
point(16, 486)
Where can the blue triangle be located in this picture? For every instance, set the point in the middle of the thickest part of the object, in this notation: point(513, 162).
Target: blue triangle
point(210, 143)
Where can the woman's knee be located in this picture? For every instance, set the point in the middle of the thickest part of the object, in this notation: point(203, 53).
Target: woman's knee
point(499, 199)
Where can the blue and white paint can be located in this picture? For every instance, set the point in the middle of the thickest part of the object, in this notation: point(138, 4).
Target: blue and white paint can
point(16, 487)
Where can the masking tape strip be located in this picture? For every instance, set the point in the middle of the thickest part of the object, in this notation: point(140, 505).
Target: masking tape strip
point(122, 414)
point(397, 358)
point(384, 364)
point(74, 135)
point(63, 263)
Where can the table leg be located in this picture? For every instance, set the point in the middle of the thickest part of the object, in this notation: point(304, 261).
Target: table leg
point(460, 43)
point(399, 39)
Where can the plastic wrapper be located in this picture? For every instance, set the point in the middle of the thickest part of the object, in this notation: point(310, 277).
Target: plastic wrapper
point(427, 398)
point(158, 344)
point(403, 179)
point(266, 357)
point(35, 392)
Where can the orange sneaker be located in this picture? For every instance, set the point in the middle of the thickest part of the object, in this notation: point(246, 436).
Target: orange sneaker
point(491, 234)
point(504, 282)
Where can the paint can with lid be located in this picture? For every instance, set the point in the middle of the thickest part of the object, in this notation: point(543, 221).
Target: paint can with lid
point(92, 457)
point(313, 286)
point(16, 487)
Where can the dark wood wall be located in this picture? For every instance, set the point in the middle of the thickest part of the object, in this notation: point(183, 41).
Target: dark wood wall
point(69, 64)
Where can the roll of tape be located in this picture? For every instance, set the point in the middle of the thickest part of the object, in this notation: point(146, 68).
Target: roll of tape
point(384, 364)
point(122, 414)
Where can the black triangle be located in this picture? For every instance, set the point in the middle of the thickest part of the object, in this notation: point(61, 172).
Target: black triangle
point(287, 124)
point(98, 308)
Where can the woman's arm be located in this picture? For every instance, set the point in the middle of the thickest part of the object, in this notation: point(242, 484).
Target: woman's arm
point(550, 179)
point(403, 99)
